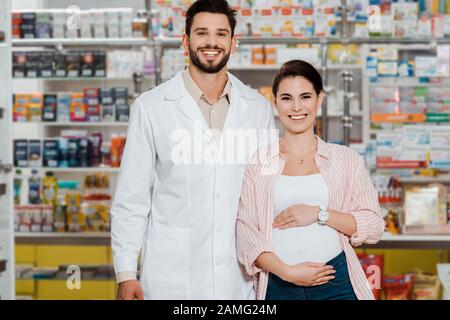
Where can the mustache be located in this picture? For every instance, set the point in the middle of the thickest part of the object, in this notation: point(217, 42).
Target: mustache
point(210, 47)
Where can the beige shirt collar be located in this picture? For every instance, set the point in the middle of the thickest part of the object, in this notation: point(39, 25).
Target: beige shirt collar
point(195, 91)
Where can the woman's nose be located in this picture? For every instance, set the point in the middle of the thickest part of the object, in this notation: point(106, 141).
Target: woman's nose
point(297, 105)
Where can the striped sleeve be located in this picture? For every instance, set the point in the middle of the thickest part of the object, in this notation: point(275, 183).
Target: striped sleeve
point(365, 208)
point(250, 240)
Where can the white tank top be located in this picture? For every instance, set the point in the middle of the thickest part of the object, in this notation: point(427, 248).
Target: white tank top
point(313, 243)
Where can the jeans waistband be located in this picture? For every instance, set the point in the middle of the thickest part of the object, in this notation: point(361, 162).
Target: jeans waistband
point(340, 257)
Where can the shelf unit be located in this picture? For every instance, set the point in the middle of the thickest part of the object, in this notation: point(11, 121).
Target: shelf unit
point(74, 124)
point(391, 241)
point(75, 170)
point(7, 275)
point(409, 241)
point(124, 42)
point(66, 238)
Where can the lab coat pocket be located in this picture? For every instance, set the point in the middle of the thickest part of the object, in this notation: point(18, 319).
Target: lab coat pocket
point(165, 269)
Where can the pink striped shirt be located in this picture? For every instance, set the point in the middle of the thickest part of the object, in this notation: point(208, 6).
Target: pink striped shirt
point(350, 190)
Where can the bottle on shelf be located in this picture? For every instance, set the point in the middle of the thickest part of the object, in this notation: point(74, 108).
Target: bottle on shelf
point(34, 188)
point(18, 184)
point(50, 189)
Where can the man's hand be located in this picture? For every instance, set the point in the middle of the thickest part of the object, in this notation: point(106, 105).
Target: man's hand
point(298, 215)
point(130, 290)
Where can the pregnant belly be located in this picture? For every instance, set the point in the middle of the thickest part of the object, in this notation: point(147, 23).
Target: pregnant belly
point(313, 243)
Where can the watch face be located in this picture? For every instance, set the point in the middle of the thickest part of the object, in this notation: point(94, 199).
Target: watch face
point(323, 215)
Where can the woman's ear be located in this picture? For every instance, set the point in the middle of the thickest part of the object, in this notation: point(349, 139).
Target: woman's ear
point(320, 98)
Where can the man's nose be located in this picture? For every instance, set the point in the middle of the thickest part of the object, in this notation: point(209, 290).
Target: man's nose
point(211, 40)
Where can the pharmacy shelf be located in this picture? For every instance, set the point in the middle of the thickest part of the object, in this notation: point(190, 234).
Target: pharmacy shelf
point(409, 241)
point(165, 41)
point(276, 67)
point(147, 78)
point(3, 45)
point(389, 241)
point(82, 42)
point(63, 238)
point(341, 114)
point(407, 82)
point(74, 170)
point(423, 179)
point(76, 124)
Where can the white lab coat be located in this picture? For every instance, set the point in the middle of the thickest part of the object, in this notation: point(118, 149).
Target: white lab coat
point(181, 216)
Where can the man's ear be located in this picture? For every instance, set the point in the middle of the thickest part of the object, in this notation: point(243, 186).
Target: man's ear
point(234, 44)
point(185, 42)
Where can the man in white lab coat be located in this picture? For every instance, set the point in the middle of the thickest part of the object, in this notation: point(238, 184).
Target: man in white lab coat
point(179, 184)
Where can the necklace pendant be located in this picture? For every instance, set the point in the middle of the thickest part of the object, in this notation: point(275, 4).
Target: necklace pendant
point(300, 161)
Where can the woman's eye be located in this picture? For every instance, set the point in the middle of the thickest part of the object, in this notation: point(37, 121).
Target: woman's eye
point(222, 35)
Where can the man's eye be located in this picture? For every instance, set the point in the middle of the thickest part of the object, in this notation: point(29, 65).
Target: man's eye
point(285, 98)
point(222, 34)
point(306, 97)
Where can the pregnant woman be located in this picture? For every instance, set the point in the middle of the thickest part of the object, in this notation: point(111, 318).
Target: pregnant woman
point(304, 203)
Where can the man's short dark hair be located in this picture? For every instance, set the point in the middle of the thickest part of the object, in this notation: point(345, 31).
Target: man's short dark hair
point(211, 6)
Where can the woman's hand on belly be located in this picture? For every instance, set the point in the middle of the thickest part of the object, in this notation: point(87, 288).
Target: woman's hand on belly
point(309, 274)
point(298, 215)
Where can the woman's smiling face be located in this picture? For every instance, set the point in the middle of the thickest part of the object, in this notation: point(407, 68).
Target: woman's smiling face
point(297, 103)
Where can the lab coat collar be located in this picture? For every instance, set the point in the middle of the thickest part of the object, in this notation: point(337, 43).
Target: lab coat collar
point(241, 95)
point(175, 88)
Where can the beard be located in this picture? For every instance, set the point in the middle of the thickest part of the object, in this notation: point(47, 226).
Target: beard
point(208, 67)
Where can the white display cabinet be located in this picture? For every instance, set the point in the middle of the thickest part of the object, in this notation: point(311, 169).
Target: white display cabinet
point(6, 180)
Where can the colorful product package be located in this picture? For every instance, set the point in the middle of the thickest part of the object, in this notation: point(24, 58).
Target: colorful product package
point(426, 286)
point(77, 107)
point(444, 276)
point(398, 287)
point(46, 64)
point(47, 219)
point(86, 63)
point(34, 154)
point(283, 22)
point(73, 63)
point(63, 107)
point(36, 218)
point(20, 109)
point(421, 206)
point(246, 23)
point(21, 153)
point(373, 268)
point(73, 214)
point(50, 153)
point(50, 107)
point(96, 216)
point(32, 64)
point(60, 65)
point(24, 217)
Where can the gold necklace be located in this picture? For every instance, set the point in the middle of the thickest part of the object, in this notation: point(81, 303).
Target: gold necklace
point(299, 161)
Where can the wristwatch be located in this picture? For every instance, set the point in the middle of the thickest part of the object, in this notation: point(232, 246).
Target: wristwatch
point(323, 216)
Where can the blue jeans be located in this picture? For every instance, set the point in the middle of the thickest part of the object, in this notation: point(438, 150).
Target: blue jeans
point(340, 288)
